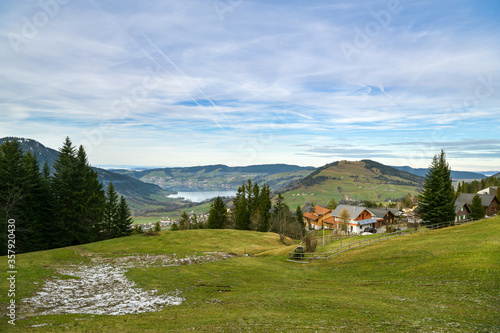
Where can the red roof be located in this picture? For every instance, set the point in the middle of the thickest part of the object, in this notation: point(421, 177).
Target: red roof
point(311, 216)
point(321, 211)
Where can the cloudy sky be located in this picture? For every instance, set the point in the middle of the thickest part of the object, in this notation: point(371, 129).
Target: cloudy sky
point(240, 82)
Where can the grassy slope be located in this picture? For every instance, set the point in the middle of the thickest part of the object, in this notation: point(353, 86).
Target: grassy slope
point(357, 189)
point(440, 280)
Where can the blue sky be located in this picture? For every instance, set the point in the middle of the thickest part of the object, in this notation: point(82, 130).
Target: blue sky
point(239, 82)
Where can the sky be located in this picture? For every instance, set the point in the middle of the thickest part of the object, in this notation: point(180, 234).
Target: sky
point(241, 82)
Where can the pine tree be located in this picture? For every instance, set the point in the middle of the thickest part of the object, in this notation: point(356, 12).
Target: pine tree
point(265, 206)
point(184, 221)
point(110, 216)
point(78, 197)
point(217, 217)
point(438, 198)
point(300, 219)
point(91, 199)
point(477, 209)
point(241, 213)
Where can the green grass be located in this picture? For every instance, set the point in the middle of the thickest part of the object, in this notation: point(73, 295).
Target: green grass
point(443, 280)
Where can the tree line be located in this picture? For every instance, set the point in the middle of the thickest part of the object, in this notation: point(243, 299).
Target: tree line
point(68, 207)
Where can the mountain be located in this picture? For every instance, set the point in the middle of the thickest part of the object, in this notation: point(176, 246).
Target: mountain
point(454, 174)
point(133, 189)
point(42, 153)
point(347, 180)
point(220, 177)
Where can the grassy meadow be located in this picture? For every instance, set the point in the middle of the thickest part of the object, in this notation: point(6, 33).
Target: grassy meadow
point(443, 280)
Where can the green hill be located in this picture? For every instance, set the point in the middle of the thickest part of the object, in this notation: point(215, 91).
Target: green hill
point(442, 280)
point(344, 180)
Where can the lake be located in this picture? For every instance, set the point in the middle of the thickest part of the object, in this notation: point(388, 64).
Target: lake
point(201, 195)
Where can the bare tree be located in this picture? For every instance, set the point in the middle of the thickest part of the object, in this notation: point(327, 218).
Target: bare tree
point(344, 218)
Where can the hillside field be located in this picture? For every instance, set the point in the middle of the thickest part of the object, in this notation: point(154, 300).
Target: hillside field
point(434, 281)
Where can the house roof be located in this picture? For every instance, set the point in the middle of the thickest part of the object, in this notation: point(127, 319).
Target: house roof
point(354, 211)
point(459, 205)
point(486, 199)
point(380, 212)
point(321, 210)
point(311, 216)
point(329, 219)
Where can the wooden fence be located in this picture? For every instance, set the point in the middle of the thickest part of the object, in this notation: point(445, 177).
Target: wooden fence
point(296, 256)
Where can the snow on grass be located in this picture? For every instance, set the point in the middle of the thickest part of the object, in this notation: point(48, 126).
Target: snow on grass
point(101, 287)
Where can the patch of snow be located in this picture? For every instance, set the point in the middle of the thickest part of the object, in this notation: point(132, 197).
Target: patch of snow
point(101, 287)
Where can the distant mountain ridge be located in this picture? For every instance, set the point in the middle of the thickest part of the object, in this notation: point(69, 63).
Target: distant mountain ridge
point(219, 176)
point(454, 174)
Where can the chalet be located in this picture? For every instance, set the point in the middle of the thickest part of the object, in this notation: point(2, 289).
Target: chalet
point(360, 218)
point(489, 202)
point(387, 215)
point(315, 218)
point(462, 211)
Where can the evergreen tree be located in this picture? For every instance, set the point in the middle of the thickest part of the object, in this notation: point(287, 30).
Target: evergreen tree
point(332, 204)
point(300, 219)
point(124, 219)
point(242, 216)
point(265, 206)
point(78, 196)
point(184, 221)
point(217, 217)
point(438, 198)
point(174, 227)
point(110, 216)
point(91, 199)
point(477, 209)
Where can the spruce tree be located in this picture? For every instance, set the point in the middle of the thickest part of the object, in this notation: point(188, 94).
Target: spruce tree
point(217, 217)
point(92, 199)
point(78, 197)
point(477, 209)
point(110, 216)
point(184, 221)
point(124, 218)
point(437, 199)
point(265, 206)
point(300, 219)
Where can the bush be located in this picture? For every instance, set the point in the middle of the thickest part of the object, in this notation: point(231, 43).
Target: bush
point(174, 227)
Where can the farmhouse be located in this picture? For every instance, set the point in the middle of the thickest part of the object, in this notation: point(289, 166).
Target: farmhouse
point(315, 218)
point(490, 202)
point(360, 218)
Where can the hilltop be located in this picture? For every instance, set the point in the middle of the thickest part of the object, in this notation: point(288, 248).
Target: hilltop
point(348, 180)
point(433, 281)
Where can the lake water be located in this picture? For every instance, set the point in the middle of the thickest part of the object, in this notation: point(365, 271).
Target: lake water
point(202, 195)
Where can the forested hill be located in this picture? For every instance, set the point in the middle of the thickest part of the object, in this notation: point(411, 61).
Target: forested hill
point(219, 177)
